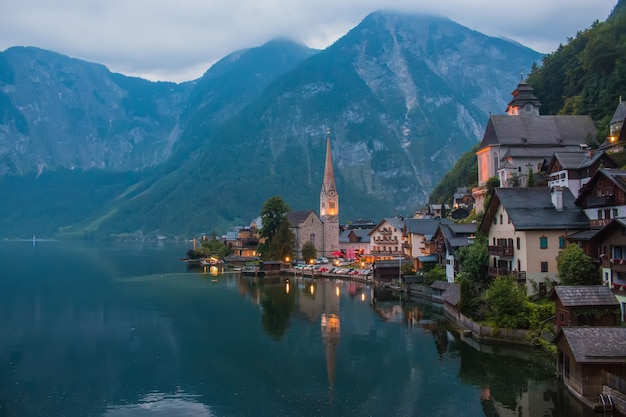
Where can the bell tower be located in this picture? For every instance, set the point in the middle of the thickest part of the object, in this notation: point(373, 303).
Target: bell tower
point(329, 204)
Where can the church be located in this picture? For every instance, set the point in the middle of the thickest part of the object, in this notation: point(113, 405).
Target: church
point(322, 230)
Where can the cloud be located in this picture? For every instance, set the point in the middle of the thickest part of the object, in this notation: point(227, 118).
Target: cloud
point(178, 41)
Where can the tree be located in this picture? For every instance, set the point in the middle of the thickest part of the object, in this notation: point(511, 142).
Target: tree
point(436, 273)
point(506, 300)
point(279, 239)
point(474, 263)
point(576, 268)
point(272, 214)
point(531, 182)
point(309, 251)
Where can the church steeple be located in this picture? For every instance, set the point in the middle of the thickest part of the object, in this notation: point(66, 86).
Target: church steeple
point(524, 102)
point(329, 199)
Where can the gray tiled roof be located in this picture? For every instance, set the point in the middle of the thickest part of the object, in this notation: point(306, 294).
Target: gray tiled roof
point(362, 234)
point(453, 294)
point(297, 217)
point(586, 296)
point(424, 226)
point(538, 130)
point(597, 344)
point(532, 209)
point(577, 159)
point(440, 285)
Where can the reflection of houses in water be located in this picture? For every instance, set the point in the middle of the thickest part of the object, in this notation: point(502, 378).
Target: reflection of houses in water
point(535, 401)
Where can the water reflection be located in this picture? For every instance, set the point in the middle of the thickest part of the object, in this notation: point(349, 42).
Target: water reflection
point(77, 342)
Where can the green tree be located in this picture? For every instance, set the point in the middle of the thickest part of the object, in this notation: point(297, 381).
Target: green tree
point(576, 268)
point(436, 273)
point(279, 239)
point(531, 182)
point(492, 184)
point(506, 301)
point(474, 263)
point(309, 251)
point(272, 215)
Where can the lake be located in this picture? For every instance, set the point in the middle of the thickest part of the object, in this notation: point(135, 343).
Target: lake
point(126, 329)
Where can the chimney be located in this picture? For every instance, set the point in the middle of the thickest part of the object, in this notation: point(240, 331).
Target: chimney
point(556, 193)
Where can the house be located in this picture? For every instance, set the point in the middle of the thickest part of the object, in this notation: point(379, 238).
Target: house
point(354, 243)
point(463, 198)
point(246, 242)
point(448, 239)
point(522, 141)
point(592, 361)
point(575, 169)
point(617, 137)
point(387, 271)
point(526, 228)
point(584, 305)
point(387, 238)
point(419, 234)
point(306, 227)
point(604, 197)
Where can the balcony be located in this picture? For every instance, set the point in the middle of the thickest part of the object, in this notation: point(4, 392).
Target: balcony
point(501, 272)
point(597, 223)
point(430, 248)
point(600, 201)
point(501, 250)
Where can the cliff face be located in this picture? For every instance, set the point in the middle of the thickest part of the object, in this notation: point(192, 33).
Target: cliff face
point(403, 96)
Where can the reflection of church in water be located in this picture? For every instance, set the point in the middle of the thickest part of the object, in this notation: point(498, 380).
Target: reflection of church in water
point(320, 301)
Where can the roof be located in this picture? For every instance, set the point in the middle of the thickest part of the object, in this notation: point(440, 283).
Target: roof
point(538, 130)
point(397, 222)
point(424, 226)
point(604, 344)
point(440, 285)
point(361, 234)
point(296, 218)
point(617, 176)
point(620, 113)
point(457, 235)
point(586, 296)
point(453, 294)
point(577, 159)
point(532, 209)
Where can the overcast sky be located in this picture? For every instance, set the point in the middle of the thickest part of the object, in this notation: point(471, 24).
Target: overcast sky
point(178, 40)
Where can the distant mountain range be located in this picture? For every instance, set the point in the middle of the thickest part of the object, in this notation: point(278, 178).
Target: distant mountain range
point(87, 153)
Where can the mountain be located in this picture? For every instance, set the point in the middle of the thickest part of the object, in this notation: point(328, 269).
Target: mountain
point(403, 96)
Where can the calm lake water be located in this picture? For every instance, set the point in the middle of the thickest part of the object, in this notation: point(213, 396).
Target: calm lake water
point(118, 330)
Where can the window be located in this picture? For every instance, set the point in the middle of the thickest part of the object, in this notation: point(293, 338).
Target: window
point(599, 214)
point(544, 267)
point(615, 216)
point(543, 242)
point(312, 238)
point(495, 220)
point(561, 242)
point(519, 243)
point(501, 219)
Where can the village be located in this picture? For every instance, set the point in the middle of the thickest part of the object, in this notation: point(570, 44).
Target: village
point(541, 188)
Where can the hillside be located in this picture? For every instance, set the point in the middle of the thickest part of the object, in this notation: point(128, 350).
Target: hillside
point(585, 76)
point(404, 96)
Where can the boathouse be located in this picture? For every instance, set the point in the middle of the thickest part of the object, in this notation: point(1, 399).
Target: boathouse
point(585, 305)
point(592, 364)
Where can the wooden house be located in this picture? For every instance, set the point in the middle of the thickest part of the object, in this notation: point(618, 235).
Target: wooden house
point(591, 361)
point(585, 305)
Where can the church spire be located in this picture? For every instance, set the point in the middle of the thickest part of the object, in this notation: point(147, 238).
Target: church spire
point(329, 200)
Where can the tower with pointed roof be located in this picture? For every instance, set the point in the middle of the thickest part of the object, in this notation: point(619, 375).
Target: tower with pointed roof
point(524, 102)
point(329, 205)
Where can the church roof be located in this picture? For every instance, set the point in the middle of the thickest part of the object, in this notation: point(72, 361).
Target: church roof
point(538, 131)
point(329, 174)
point(296, 218)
